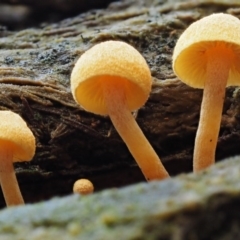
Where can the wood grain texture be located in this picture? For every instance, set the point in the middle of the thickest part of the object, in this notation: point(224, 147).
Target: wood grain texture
point(35, 65)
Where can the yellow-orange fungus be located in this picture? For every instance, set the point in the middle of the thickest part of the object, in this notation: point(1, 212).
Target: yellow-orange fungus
point(83, 186)
point(17, 143)
point(207, 56)
point(112, 78)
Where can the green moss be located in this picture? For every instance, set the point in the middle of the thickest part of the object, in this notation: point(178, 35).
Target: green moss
point(185, 206)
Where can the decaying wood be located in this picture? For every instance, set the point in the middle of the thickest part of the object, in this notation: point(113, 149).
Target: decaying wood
point(35, 65)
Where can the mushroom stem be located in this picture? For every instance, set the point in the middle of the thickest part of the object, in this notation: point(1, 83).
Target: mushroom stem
point(128, 129)
point(8, 180)
point(211, 110)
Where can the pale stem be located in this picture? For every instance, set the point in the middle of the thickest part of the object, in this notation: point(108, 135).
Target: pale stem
point(211, 113)
point(8, 180)
point(122, 119)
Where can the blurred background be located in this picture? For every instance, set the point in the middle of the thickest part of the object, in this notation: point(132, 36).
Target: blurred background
point(20, 14)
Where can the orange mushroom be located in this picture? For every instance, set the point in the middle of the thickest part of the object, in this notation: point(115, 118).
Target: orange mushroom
point(112, 78)
point(207, 55)
point(83, 186)
point(17, 144)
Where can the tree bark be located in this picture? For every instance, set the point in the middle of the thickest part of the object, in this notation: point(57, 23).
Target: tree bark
point(71, 143)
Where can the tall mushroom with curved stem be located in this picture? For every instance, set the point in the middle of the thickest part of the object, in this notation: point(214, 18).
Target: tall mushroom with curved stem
point(207, 55)
point(112, 78)
point(17, 144)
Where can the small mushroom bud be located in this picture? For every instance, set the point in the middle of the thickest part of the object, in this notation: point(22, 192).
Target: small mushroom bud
point(83, 186)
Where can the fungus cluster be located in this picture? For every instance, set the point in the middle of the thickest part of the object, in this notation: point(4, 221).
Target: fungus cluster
point(112, 78)
point(207, 55)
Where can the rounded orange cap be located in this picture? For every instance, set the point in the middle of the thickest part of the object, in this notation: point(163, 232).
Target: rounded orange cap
point(15, 136)
point(107, 63)
point(83, 186)
point(218, 30)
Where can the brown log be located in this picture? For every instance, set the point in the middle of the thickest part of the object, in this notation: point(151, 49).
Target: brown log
point(35, 66)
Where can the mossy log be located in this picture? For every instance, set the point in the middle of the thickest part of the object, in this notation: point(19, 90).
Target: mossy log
point(71, 143)
point(193, 206)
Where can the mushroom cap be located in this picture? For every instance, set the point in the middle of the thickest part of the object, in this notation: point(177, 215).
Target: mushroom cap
point(190, 54)
point(83, 186)
point(15, 136)
point(110, 62)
